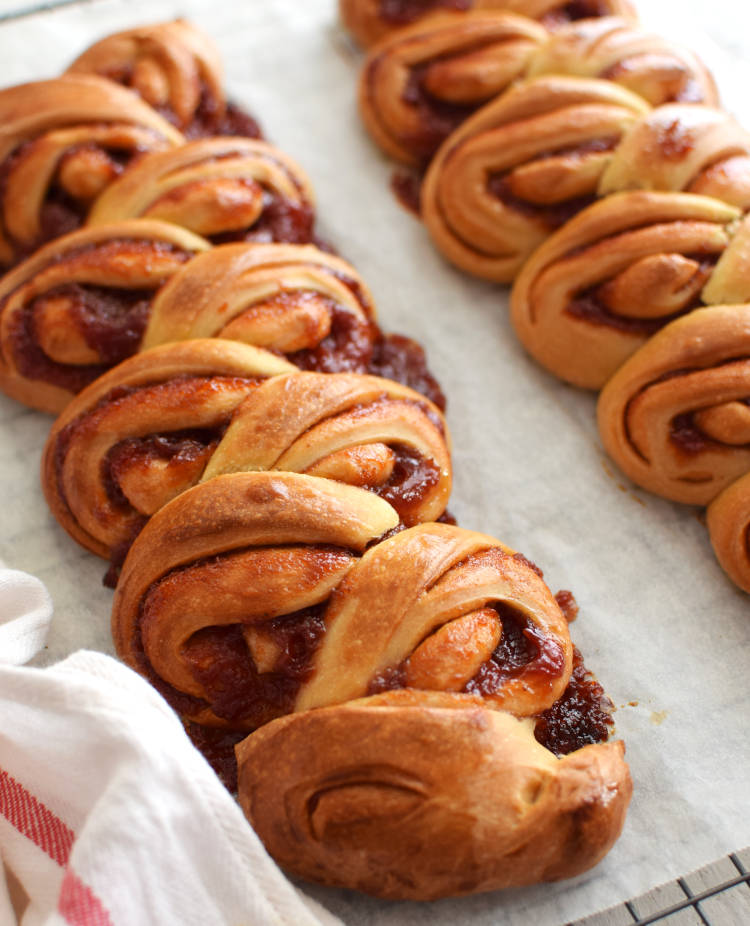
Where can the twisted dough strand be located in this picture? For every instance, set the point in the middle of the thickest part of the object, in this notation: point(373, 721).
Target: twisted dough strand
point(617, 50)
point(227, 189)
point(370, 21)
point(236, 540)
point(395, 616)
point(410, 598)
point(79, 305)
point(62, 142)
point(290, 298)
point(675, 416)
point(519, 167)
point(417, 87)
point(176, 69)
point(595, 291)
point(186, 412)
point(187, 389)
point(169, 65)
point(679, 147)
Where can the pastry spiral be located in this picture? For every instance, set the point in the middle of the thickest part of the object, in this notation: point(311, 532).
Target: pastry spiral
point(433, 608)
point(142, 433)
point(675, 417)
point(221, 596)
point(62, 142)
point(183, 413)
point(294, 299)
point(79, 305)
point(176, 69)
point(617, 50)
point(728, 521)
point(626, 266)
point(417, 87)
point(520, 167)
point(423, 795)
point(226, 189)
point(369, 21)
point(683, 147)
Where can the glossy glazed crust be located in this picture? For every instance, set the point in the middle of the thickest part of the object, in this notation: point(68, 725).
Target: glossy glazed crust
point(674, 417)
point(105, 467)
point(170, 65)
point(547, 142)
point(367, 23)
point(599, 288)
point(58, 134)
point(423, 797)
point(46, 349)
point(214, 187)
point(240, 550)
point(419, 600)
point(683, 147)
point(728, 520)
point(275, 296)
point(417, 86)
point(618, 50)
point(417, 606)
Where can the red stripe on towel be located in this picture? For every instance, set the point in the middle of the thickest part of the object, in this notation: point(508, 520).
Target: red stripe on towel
point(77, 903)
point(35, 821)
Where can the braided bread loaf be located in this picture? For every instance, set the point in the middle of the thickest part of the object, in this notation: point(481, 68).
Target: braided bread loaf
point(284, 560)
point(437, 617)
point(176, 69)
point(62, 142)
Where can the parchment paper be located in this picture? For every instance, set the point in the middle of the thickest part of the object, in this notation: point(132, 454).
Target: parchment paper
point(661, 626)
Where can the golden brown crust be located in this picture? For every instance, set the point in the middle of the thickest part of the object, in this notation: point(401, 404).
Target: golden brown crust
point(674, 417)
point(617, 50)
point(369, 23)
point(400, 607)
point(520, 167)
point(423, 801)
point(173, 66)
point(221, 188)
point(237, 552)
point(60, 326)
point(283, 297)
point(683, 147)
point(606, 281)
point(728, 520)
point(188, 387)
point(55, 141)
point(183, 413)
point(421, 83)
point(409, 597)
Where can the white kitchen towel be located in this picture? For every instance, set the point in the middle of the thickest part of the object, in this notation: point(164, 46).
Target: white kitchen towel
point(108, 815)
point(25, 615)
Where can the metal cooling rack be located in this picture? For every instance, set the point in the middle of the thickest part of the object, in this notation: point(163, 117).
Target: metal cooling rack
point(717, 895)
